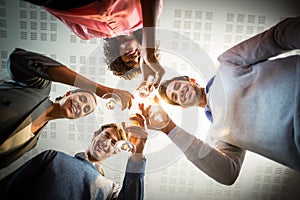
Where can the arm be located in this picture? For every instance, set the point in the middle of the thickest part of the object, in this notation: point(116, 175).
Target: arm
point(150, 10)
point(133, 183)
point(150, 13)
point(65, 75)
point(219, 160)
point(36, 70)
point(280, 38)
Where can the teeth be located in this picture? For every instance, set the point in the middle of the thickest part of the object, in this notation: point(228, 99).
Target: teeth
point(100, 147)
point(187, 94)
point(74, 109)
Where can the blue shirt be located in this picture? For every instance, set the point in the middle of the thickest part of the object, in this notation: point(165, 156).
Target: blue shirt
point(56, 175)
point(207, 109)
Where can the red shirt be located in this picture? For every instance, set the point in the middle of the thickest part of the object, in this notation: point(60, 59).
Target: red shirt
point(103, 19)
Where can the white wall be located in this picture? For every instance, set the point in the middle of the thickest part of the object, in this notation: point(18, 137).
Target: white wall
point(192, 33)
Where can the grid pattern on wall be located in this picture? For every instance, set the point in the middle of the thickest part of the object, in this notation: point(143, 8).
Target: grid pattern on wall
point(3, 32)
point(36, 24)
point(192, 24)
point(270, 183)
point(181, 180)
point(242, 26)
point(3, 19)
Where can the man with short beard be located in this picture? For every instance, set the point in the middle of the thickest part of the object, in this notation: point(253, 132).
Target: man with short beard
point(253, 102)
point(56, 175)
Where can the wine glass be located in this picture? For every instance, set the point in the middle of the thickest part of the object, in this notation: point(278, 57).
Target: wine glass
point(124, 146)
point(145, 90)
point(112, 100)
point(158, 119)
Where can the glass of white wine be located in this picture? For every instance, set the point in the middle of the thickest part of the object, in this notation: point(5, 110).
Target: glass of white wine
point(146, 88)
point(126, 145)
point(112, 100)
point(158, 118)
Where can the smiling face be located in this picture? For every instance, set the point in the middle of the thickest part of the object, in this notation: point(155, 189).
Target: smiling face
point(76, 105)
point(102, 145)
point(130, 52)
point(184, 93)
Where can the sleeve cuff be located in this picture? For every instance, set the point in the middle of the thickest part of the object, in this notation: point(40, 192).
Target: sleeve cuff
point(173, 132)
point(136, 167)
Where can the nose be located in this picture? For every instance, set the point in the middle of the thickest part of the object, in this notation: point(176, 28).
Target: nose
point(82, 105)
point(181, 95)
point(180, 92)
point(107, 142)
point(133, 57)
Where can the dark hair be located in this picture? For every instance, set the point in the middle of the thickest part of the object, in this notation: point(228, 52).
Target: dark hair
point(119, 68)
point(113, 59)
point(163, 87)
point(120, 130)
point(76, 91)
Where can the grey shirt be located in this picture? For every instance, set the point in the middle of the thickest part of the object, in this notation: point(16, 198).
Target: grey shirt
point(254, 101)
point(23, 98)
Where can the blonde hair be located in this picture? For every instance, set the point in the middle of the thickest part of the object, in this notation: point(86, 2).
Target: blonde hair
point(120, 130)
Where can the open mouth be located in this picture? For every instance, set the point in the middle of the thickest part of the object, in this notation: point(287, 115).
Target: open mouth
point(187, 93)
point(75, 109)
point(101, 148)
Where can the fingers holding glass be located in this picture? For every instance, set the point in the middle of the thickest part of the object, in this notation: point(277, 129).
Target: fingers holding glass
point(112, 101)
point(118, 99)
point(137, 136)
point(156, 118)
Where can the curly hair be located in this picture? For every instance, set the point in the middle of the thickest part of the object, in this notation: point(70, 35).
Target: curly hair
point(120, 130)
point(113, 59)
point(119, 68)
point(163, 88)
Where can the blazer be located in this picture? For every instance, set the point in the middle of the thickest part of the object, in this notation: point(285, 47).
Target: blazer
point(24, 97)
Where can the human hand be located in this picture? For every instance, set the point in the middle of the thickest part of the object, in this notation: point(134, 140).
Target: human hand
point(155, 116)
point(137, 119)
point(137, 134)
point(144, 89)
point(146, 112)
point(125, 97)
point(151, 67)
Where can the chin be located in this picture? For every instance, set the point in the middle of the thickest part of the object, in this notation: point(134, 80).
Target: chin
point(68, 115)
point(71, 116)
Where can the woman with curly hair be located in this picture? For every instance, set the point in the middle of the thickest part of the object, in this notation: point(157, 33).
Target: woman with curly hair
point(108, 19)
point(123, 53)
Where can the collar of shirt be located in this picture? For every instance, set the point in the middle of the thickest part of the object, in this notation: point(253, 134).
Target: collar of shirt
point(207, 109)
point(83, 156)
